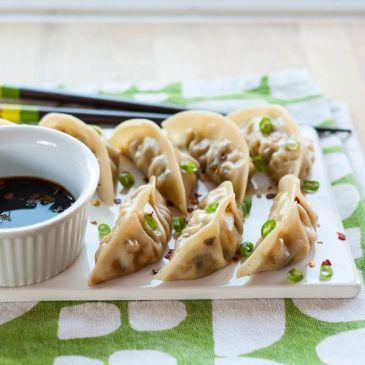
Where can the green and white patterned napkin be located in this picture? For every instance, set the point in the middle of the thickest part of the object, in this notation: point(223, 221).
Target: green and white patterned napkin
point(220, 332)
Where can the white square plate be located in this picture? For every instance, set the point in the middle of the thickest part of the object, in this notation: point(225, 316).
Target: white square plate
point(72, 284)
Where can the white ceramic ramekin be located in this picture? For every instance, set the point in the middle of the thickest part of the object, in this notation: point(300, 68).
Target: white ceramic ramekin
point(40, 251)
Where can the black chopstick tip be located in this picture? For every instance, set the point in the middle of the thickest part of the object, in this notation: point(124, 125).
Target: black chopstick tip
point(333, 130)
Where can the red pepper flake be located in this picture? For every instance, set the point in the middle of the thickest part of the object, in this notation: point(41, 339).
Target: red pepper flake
point(204, 177)
point(223, 156)
point(297, 200)
point(326, 262)
point(154, 272)
point(117, 201)
point(169, 254)
point(145, 179)
point(190, 210)
point(93, 222)
point(95, 202)
point(9, 196)
point(194, 200)
point(197, 195)
point(237, 257)
point(270, 196)
point(341, 236)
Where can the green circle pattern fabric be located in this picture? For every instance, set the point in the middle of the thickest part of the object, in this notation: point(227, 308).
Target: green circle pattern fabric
point(220, 332)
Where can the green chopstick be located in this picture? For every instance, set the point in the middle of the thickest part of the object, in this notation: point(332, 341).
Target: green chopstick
point(61, 97)
point(31, 114)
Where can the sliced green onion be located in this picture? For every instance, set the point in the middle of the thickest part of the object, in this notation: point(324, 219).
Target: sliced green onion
point(310, 186)
point(178, 223)
point(126, 179)
point(295, 275)
point(266, 126)
point(150, 221)
point(260, 162)
point(212, 207)
point(97, 129)
point(245, 206)
point(103, 229)
point(291, 144)
point(188, 167)
point(246, 249)
point(268, 227)
point(326, 272)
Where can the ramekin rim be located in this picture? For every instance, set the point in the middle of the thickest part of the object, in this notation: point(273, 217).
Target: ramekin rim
point(86, 194)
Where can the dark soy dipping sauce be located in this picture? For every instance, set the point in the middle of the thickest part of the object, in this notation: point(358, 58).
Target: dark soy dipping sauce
point(30, 200)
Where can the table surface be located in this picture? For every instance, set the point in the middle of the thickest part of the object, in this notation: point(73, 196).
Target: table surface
point(97, 52)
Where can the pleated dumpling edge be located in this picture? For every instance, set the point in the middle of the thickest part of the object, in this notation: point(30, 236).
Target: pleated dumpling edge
point(139, 237)
point(293, 235)
point(148, 147)
point(210, 239)
point(216, 143)
point(280, 142)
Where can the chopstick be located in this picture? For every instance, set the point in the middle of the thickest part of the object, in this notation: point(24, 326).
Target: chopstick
point(332, 130)
point(33, 113)
point(84, 100)
point(118, 109)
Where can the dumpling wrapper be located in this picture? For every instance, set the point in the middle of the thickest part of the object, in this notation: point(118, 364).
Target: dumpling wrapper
point(272, 146)
point(87, 135)
point(293, 235)
point(133, 244)
point(114, 159)
point(148, 147)
point(216, 143)
point(190, 180)
point(209, 241)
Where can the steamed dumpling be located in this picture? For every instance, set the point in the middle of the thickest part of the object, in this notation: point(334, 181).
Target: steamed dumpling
point(210, 239)
point(293, 235)
point(147, 146)
point(134, 243)
point(87, 135)
point(216, 143)
point(283, 149)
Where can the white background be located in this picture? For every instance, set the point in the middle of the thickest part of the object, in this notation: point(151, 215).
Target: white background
point(216, 9)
